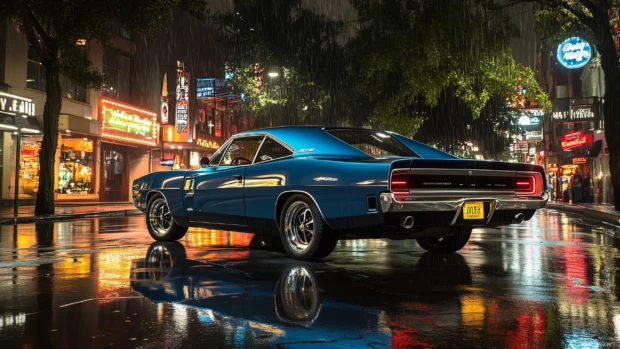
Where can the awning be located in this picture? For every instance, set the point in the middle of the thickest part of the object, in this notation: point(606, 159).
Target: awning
point(16, 121)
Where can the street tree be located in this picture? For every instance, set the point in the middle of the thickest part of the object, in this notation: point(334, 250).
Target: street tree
point(599, 21)
point(286, 64)
point(54, 28)
point(418, 48)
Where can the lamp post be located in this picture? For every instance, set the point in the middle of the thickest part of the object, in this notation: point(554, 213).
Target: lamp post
point(17, 165)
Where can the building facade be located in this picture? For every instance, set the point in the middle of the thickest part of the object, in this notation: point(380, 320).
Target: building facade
point(574, 140)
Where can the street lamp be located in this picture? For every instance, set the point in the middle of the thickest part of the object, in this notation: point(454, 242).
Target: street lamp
point(273, 74)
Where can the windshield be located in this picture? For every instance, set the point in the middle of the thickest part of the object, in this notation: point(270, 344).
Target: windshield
point(373, 143)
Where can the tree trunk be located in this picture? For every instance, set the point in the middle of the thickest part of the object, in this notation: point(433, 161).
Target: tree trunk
point(47, 155)
point(611, 108)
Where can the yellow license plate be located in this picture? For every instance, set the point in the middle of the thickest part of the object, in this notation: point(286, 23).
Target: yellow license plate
point(473, 210)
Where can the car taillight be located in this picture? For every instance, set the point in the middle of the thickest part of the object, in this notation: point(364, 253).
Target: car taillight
point(399, 183)
point(528, 185)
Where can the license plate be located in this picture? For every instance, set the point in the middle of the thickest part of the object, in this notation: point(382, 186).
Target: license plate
point(473, 210)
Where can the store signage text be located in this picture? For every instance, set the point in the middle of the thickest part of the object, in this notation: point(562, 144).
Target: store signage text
point(13, 105)
point(207, 144)
point(574, 53)
point(164, 109)
point(579, 160)
point(583, 113)
point(166, 162)
point(205, 88)
point(575, 140)
point(182, 102)
point(127, 122)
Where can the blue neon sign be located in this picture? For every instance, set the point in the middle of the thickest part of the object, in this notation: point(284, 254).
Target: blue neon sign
point(574, 53)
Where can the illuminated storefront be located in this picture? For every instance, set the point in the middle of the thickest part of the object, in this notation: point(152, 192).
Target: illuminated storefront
point(127, 134)
point(76, 166)
point(18, 113)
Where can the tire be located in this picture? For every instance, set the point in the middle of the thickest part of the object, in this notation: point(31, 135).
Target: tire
point(314, 241)
point(447, 244)
point(161, 225)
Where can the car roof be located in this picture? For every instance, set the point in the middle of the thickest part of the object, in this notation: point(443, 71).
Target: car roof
point(311, 141)
point(314, 141)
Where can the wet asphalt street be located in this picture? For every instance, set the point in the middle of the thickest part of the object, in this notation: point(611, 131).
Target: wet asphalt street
point(551, 282)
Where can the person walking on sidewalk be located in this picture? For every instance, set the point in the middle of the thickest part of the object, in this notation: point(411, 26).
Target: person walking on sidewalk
point(576, 182)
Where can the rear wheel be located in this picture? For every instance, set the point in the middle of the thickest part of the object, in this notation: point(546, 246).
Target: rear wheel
point(447, 244)
point(160, 223)
point(303, 231)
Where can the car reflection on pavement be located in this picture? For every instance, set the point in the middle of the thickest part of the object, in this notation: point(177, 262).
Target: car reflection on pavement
point(301, 301)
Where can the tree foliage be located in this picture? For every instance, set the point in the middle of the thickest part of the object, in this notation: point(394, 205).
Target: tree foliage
point(413, 48)
point(53, 28)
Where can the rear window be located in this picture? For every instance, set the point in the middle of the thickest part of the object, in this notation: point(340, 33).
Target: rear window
point(373, 143)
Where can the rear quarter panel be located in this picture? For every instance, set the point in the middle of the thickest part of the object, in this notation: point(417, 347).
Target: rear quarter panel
point(339, 188)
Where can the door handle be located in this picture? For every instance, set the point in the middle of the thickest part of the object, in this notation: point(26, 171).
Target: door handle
point(238, 177)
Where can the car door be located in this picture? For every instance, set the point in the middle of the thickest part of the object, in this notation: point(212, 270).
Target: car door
point(218, 197)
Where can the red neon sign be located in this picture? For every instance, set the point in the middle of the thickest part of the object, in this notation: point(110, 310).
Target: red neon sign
point(580, 160)
point(575, 140)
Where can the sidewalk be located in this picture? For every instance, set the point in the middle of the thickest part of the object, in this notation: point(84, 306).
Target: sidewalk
point(68, 211)
point(604, 213)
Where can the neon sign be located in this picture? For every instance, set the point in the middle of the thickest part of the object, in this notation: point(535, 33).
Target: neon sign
point(130, 121)
point(207, 144)
point(574, 53)
point(580, 160)
point(575, 140)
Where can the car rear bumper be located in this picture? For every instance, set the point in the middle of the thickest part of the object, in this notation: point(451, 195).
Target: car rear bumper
point(391, 206)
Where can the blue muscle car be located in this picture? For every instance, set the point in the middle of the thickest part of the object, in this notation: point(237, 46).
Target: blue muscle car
point(315, 185)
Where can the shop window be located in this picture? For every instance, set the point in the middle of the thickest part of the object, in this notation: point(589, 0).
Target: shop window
point(116, 70)
point(36, 78)
point(29, 167)
point(271, 150)
point(75, 174)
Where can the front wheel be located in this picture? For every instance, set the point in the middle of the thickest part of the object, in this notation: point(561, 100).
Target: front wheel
point(160, 223)
point(447, 244)
point(304, 234)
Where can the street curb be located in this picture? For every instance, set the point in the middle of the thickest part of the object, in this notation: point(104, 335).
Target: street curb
point(610, 218)
point(66, 217)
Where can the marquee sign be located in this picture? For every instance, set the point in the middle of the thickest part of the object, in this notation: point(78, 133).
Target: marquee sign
point(575, 140)
point(574, 53)
point(128, 123)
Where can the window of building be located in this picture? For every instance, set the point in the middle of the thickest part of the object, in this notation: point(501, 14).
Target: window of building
point(36, 78)
point(116, 70)
point(76, 167)
point(241, 151)
point(35, 75)
point(271, 150)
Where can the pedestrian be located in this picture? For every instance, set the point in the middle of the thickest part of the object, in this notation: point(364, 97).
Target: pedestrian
point(576, 185)
point(587, 189)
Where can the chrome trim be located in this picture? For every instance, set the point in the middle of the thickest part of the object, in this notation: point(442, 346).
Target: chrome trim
point(275, 209)
point(426, 205)
point(258, 150)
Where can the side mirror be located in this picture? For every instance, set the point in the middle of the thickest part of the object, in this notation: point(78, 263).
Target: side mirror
point(204, 162)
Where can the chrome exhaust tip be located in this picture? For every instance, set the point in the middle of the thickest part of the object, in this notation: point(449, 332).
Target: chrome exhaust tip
point(407, 222)
point(518, 219)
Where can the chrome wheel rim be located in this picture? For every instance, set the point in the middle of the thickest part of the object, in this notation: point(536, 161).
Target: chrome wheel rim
point(160, 218)
point(299, 297)
point(299, 225)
